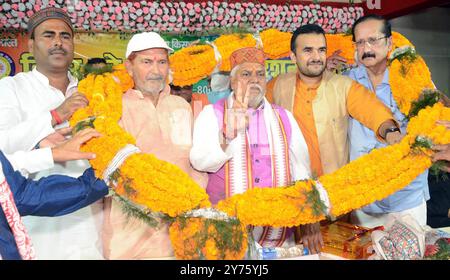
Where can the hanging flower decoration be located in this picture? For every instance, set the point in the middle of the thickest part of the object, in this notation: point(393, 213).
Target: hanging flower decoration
point(409, 76)
point(353, 186)
point(342, 42)
point(201, 62)
point(276, 44)
point(216, 237)
point(183, 16)
point(289, 206)
point(398, 41)
point(228, 43)
point(122, 77)
point(142, 178)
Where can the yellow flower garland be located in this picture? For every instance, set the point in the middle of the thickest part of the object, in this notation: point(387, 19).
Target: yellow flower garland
point(188, 242)
point(276, 44)
point(367, 179)
point(143, 179)
point(398, 40)
point(287, 206)
point(407, 80)
point(227, 44)
point(163, 187)
point(201, 62)
point(124, 80)
point(341, 42)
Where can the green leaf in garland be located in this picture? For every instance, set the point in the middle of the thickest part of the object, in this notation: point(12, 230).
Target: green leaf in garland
point(429, 97)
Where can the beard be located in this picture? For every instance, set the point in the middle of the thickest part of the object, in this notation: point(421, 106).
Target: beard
point(310, 72)
point(154, 85)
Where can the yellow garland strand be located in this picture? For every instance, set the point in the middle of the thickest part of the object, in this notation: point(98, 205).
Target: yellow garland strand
point(163, 187)
point(201, 62)
point(186, 241)
point(276, 44)
point(144, 179)
point(407, 80)
point(229, 43)
point(287, 206)
point(342, 42)
point(369, 178)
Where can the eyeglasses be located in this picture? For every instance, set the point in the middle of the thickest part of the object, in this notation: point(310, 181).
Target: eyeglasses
point(373, 42)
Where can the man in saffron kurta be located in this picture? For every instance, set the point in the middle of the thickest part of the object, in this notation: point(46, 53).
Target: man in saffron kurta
point(322, 103)
point(162, 125)
point(245, 142)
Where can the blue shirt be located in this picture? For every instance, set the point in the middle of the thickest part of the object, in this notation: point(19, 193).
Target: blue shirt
point(50, 196)
point(363, 140)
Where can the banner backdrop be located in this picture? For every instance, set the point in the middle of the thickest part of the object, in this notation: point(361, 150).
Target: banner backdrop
point(15, 58)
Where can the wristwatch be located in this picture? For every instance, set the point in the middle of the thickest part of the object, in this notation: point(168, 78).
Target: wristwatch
point(391, 129)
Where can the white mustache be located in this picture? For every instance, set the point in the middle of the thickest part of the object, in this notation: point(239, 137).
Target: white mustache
point(157, 78)
point(256, 86)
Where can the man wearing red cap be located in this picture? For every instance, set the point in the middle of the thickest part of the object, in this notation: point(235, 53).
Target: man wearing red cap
point(33, 108)
point(243, 142)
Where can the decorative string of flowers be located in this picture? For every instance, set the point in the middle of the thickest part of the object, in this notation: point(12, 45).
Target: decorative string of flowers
point(289, 206)
point(200, 59)
point(353, 186)
point(142, 178)
point(183, 16)
point(276, 43)
point(228, 43)
point(208, 236)
point(409, 76)
point(158, 186)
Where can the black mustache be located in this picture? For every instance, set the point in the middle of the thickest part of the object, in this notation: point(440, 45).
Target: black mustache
point(54, 50)
point(318, 62)
point(366, 55)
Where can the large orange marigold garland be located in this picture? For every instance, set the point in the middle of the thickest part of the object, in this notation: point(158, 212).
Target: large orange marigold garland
point(227, 44)
point(142, 178)
point(158, 186)
point(409, 76)
point(211, 238)
point(359, 183)
point(276, 43)
point(201, 62)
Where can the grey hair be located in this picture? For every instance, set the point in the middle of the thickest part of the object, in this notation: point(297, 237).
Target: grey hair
point(234, 70)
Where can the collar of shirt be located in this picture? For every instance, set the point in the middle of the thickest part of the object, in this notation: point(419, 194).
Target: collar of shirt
point(307, 92)
point(362, 77)
point(71, 88)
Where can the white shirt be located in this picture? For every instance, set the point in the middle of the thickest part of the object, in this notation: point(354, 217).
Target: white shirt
point(25, 103)
point(207, 154)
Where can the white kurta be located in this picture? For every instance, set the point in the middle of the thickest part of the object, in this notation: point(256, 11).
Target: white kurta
point(25, 103)
point(207, 154)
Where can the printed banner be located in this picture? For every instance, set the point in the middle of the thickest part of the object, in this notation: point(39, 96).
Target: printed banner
point(15, 57)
